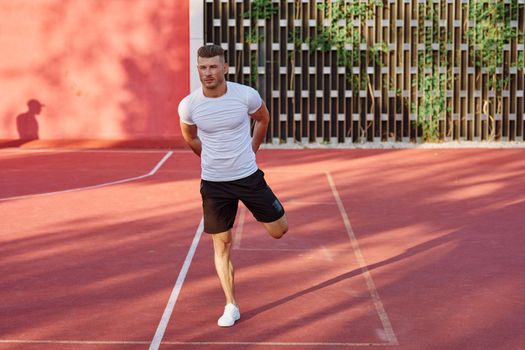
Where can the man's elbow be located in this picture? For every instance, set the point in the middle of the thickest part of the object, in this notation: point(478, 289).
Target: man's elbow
point(186, 138)
point(265, 120)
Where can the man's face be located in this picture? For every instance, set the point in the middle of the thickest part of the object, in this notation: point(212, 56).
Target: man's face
point(211, 71)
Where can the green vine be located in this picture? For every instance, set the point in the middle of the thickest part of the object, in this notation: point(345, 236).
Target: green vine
point(431, 84)
point(432, 106)
point(295, 37)
point(341, 32)
point(491, 31)
point(259, 9)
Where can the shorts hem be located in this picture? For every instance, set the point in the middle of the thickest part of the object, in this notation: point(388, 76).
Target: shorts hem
point(267, 221)
point(214, 232)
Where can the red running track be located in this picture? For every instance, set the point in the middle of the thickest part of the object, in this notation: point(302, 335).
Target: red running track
point(404, 249)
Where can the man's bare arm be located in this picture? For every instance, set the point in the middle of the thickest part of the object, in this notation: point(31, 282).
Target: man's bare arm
point(262, 119)
point(189, 133)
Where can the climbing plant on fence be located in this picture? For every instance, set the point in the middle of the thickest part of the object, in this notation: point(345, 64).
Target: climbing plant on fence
point(434, 70)
point(259, 10)
point(341, 71)
point(494, 26)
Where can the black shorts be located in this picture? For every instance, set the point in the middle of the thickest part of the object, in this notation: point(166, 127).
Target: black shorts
point(220, 201)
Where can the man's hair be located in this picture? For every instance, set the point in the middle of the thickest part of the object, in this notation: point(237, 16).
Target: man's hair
point(211, 50)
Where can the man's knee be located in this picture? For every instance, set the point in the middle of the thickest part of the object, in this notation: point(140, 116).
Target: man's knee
point(222, 243)
point(278, 228)
point(279, 233)
point(222, 248)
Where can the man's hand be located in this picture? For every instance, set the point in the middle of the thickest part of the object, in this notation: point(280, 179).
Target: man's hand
point(262, 119)
point(189, 133)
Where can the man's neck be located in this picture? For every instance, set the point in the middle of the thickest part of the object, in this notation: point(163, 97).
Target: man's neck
point(217, 92)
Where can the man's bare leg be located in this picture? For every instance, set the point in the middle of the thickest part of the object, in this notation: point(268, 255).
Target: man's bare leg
point(222, 246)
point(222, 243)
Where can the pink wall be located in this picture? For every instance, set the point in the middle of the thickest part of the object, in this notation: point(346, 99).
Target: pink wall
point(104, 69)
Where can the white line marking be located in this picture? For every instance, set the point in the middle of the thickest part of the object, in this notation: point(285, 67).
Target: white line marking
point(76, 342)
point(139, 342)
point(159, 334)
point(296, 249)
point(362, 264)
point(272, 343)
point(73, 150)
point(152, 172)
point(238, 230)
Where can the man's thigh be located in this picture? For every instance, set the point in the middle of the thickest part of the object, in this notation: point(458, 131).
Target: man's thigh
point(261, 201)
point(219, 210)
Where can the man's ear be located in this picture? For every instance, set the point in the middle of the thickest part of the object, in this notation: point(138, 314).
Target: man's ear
point(225, 68)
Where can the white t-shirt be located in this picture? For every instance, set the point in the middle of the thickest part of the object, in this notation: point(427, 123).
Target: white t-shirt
point(223, 125)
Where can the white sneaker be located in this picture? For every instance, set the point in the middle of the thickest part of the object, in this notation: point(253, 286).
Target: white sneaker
point(230, 315)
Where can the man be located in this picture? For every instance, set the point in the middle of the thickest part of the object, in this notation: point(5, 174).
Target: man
point(215, 123)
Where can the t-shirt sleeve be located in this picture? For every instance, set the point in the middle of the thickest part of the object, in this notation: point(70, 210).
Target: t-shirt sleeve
point(254, 100)
point(184, 112)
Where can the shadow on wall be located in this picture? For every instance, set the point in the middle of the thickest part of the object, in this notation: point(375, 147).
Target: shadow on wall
point(27, 124)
